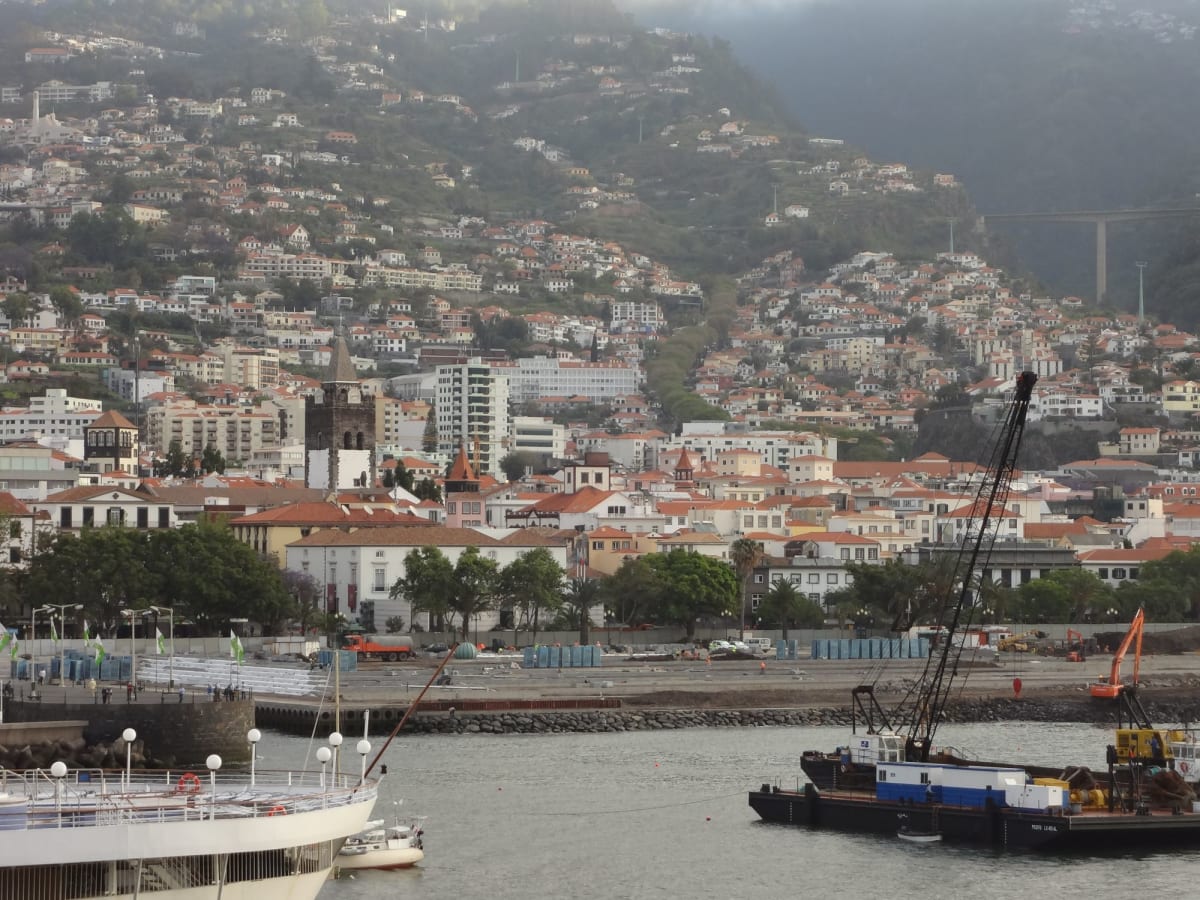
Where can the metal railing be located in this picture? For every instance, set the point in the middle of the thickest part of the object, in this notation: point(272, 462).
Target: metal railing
point(96, 797)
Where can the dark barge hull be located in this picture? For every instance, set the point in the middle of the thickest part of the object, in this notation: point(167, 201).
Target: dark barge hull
point(1000, 827)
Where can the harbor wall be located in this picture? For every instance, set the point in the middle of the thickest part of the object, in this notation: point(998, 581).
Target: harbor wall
point(298, 719)
point(171, 733)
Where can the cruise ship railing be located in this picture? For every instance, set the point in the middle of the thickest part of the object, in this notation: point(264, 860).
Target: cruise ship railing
point(95, 797)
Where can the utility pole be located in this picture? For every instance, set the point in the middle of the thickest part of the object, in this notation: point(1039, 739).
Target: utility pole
point(951, 221)
point(775, 199)
point(1141, 292)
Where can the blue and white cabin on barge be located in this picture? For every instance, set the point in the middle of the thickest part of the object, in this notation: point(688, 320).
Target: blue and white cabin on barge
point(972, 786)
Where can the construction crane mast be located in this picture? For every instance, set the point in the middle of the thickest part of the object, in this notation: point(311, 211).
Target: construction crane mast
point(986, 514)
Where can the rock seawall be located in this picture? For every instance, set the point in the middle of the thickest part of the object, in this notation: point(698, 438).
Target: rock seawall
point(608, 720)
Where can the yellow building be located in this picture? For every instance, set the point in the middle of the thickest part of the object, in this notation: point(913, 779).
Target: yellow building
point(1181, 396)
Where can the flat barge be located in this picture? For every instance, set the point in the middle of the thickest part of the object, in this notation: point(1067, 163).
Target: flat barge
point(990, 825)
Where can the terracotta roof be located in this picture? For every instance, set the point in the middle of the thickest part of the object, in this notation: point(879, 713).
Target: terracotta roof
point(90, 492)
point(422, 536)
point(111, 419)
point(11, 506)
point(835, 537)
point(461, 470)
point(582, 500)
point(330, 514)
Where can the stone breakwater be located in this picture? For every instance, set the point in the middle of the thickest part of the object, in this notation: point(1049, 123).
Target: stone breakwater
point(599, 721)
point(77, 754)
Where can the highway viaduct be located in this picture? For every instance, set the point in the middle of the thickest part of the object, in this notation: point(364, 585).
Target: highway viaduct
point(1101, 219)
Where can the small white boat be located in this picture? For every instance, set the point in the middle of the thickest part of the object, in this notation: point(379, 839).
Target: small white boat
point(918, 837)
point(396, 846)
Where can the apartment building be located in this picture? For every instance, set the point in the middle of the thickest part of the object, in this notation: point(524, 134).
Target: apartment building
point(471, 406)
point(237, 432)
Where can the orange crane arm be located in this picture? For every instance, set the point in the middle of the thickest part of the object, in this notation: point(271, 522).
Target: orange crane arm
point(1137, 655)
point(1135, 631)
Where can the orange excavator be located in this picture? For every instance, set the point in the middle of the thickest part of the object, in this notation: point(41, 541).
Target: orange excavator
point(1110, 688)
point(1075, 649)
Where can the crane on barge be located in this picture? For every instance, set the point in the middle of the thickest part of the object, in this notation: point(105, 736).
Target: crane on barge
point(989, 508)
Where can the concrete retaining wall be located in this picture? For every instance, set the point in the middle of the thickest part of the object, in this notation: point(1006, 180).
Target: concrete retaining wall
point(173, 734)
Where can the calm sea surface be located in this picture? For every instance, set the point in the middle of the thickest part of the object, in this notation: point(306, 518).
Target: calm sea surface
point(664, 814)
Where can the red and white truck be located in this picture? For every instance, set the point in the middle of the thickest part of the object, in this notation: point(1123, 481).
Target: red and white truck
point(390, 647)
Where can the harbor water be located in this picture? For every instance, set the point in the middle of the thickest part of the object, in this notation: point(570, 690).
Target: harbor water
point(664, 814)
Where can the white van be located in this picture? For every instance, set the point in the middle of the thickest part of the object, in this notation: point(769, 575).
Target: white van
point(763, 646)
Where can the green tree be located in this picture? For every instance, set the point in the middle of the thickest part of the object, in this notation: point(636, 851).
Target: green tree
point(216, 578)
point(532, 584)
point(212, 460)
point(429, 440)
point(690, 586)
point(17, 307)
point(68, 305)
point(476, 579)
point(630, 591)
point(514, 464)
point(745, 554)
point(583, 595)
point(787, 607)
point(428, 489)
point(427, 584)
point(175, 463)
point(1086, 594)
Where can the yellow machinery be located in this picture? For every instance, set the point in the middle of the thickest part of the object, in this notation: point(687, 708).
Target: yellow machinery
point(1019, 642)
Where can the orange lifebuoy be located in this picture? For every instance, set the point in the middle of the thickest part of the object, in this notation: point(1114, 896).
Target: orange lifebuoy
point(189, 783)
point(276, 811)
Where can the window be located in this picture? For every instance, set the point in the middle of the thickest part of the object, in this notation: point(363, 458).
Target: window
point(814, 578)
point(116, 516)
point(14, 529)
point(1103, 573)
point(845, 554)
point(872, 553)
point(89, 516)
point(831, 578)
point(164, 517)
point(1133, 573)
point(759, 577)
point(1118, 573)
point(795, 579)
point(597, 545)
point(143, 517)
point(451, 508)
point(859, 554)
point(814, 597)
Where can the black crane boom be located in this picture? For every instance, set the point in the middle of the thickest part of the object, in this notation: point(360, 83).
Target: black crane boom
point(982, 526)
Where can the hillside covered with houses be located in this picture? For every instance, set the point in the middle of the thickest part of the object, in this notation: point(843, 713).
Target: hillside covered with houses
point(367, 285)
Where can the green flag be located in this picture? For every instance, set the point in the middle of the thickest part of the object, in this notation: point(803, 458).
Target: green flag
point(98, 646)
point(236, 651)
point(160, 642)
point(12, 648)
point(53, 631)
point(5, 637)
point(87, 637)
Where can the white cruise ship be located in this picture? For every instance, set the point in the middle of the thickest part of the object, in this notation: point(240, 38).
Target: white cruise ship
point(82, 834)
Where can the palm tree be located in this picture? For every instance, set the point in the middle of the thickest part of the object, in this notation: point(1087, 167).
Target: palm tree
point(581, 595)
point(787, 606)
point(745, 554)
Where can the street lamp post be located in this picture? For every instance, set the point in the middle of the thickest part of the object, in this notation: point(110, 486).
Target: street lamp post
point(253, 736)
point(133, 614)
point(62, 642)
point(170, 611)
